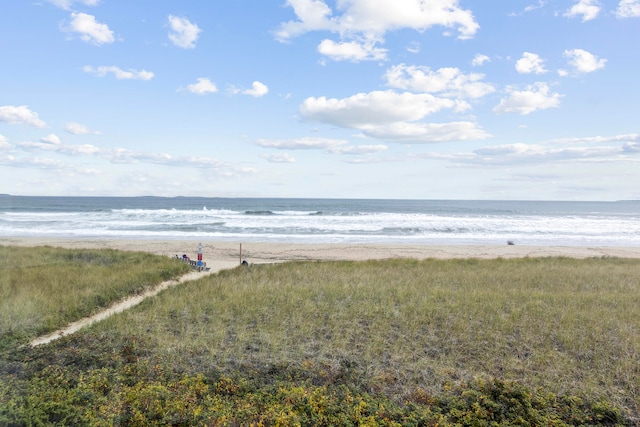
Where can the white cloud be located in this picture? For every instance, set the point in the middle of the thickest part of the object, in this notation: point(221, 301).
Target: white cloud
point(583, 149)
point(119, 73)
point(279, 158)
point(352, 51)
point(375, 107)
point(313, 15)
point(125, 156)
point(509, 149)
point(306, 143)
point(4, 143)
point(69, 150)
point(366, 160)
point(210, 164)
point(530, 63)
point(392, 116)
point(628, 9)
point(532, 7)
point(183, 33)
point(202, 86)
point(359, 149)
point(78, 129)
point(32, 162)
point(52, 138)
point(449, 82)
point(538, 153)
point(533, 98)
point(631, 147)
point(89, 30)
point(257, 90)
point(67, 4)
point(529, 8)
point(630, 137)
point(376, 17)
point(426, 132)
point(583, 61)
point(334, 146)
point(480, 59)
point(20, 115)
point(413, 47)
point(588, 9)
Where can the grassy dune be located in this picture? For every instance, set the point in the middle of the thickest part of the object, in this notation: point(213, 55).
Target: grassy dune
point(399, 342)
point(563, 324)
point(44, 288)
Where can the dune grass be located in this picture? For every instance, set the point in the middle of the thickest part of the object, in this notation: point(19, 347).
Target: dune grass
point(531, 341)
point(45, 288)
point(565, 325)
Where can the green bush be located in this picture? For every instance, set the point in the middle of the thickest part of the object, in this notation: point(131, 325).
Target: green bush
point(105, 397)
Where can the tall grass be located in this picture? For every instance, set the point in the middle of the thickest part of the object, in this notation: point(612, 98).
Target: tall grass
point(559, 324)
point(44, 288)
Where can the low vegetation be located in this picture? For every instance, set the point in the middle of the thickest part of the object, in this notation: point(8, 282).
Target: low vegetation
point(534, 341)
point(45, 288)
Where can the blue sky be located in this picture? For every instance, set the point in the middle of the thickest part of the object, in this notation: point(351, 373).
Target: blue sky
point(421, 99)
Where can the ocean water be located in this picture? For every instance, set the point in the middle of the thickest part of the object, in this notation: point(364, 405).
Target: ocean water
point(324, 220)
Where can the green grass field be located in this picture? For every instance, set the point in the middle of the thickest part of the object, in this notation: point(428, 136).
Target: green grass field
point(552, 341)
point(44, 288)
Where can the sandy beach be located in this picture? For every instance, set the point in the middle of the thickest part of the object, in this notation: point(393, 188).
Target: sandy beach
point(220, 255)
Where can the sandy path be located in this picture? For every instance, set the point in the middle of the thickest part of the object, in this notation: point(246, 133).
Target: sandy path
point(121, 306)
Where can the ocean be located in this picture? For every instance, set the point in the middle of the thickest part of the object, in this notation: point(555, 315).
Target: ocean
point(447, 222)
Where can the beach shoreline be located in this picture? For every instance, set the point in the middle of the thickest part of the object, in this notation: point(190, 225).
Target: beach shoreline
point(225, 254)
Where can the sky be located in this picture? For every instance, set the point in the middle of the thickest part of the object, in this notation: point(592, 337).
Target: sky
point(388, 99)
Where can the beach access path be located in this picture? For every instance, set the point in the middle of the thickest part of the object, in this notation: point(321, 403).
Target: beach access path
point(125, 304)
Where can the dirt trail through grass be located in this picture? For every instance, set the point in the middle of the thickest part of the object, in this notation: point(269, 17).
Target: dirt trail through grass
point(121, 306)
